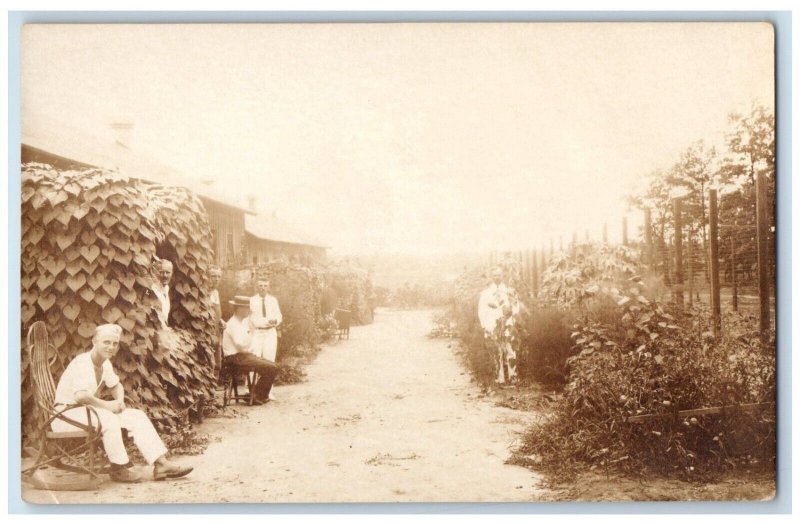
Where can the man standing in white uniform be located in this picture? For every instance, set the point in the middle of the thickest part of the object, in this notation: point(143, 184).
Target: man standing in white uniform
point(82, 383)
point(265, 316)
point(497, 309)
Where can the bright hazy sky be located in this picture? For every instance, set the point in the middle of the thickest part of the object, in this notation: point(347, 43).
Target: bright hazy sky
point(410, 137)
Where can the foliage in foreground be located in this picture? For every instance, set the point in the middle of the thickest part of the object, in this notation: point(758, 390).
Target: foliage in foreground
point(658, 362)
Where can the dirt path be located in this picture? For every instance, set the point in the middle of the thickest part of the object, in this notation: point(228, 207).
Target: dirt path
point(387, 416)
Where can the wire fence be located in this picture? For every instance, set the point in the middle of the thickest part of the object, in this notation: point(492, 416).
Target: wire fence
point(726, 259)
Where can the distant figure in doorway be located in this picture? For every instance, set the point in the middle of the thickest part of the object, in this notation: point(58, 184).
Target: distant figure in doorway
point(265, 315)
point(497, 309)
point(236, 345)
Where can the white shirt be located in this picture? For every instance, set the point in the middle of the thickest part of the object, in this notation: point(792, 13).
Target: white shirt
point(162, 292)
point(237, 336)
point(490, 305)
point(257, 306)
point(79, 375)
point(213, 297)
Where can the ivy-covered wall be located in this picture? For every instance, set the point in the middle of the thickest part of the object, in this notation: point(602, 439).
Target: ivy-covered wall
point(88, 240)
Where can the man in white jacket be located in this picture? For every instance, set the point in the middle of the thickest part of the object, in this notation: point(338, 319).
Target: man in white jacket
point(497, 308)
point(265, 316)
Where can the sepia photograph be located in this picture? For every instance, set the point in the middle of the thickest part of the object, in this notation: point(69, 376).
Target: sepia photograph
point(397, 262)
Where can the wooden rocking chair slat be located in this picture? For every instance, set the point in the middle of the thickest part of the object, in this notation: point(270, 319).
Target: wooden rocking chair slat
point(42, 356)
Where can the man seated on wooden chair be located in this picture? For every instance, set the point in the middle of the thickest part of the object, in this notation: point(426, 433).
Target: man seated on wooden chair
point(236, 342)
point(82, 381)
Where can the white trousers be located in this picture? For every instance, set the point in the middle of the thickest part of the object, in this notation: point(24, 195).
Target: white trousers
point(265, 343)
point(133, 420)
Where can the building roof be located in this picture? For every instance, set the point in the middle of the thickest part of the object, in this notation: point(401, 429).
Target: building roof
point(271, 228)
point(103, 151)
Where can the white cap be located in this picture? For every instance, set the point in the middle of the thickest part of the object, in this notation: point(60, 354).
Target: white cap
point(108, 329)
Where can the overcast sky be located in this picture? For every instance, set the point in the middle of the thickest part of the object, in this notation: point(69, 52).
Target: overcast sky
point(406, 137)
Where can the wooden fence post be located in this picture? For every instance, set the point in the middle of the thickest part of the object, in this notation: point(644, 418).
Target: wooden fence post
point(625, 231)
point(678, 225)
point(649, 260)
point(713, 234)
point(543, 263)
point(762, 225)
point(734, 283)
point(690, 266)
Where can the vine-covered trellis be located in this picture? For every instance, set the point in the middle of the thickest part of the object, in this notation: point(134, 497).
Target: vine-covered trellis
point(88, 240)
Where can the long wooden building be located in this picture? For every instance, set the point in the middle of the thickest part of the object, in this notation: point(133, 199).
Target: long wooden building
point(239, 235)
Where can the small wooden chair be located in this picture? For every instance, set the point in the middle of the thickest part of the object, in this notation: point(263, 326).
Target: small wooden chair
point(62, 450)
point(343, 319)
point(229, 376)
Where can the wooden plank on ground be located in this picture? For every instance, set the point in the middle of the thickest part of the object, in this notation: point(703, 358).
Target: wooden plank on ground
point(748, 407)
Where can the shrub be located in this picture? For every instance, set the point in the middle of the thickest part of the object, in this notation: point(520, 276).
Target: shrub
point(352, 290)
point(654, 361)
point(575, 277)
point(546, 345)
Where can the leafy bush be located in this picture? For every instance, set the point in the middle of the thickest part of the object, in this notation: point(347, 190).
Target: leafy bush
point(546, 345)
point(573, 284)
point(443, 326)
point(574, 277)
point(298, 289)
point(654, 361)
point(352, 290)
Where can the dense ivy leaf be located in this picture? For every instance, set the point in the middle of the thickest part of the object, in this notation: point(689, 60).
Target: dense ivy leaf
point(111, 286)
point(26, 281)
point(71, 311)
point(46, 300)
point(128, 295)
point(86, 293)
point(54, 265)
point(75, 282)
point(101, 298)
point(27, 313)
point(112, 314)
point(44, 281)
point(88, 237)
point(34, 235)
point(95, 280)
point(90, 253)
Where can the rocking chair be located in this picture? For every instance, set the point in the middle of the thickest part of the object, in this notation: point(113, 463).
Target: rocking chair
point(74, 451)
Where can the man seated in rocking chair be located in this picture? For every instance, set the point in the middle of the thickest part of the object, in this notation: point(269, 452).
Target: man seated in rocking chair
point(81, 384)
